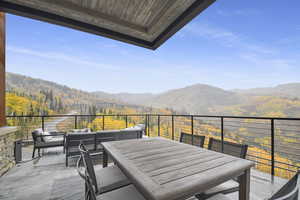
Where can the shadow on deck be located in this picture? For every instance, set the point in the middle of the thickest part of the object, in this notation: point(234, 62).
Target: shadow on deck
point(47, 178)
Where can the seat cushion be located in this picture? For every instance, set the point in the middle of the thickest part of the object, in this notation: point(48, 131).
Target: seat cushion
point(219, 197)
point(110, 178)
point(222, 187)
point(48, 137)
point(125, 193)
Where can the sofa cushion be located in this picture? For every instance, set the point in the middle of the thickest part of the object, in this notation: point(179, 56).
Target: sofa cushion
point(46, 136)
point(84, 130)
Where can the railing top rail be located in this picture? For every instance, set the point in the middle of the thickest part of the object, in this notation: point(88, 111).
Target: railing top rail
point(163, 115)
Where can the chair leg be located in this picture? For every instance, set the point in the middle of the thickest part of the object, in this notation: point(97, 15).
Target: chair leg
point(33, 152)
point(67, 164)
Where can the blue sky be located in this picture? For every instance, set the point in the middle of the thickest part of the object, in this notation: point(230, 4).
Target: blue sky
point(233, 44)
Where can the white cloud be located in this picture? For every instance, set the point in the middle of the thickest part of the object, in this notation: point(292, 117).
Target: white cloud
point(269, 61)
point(241, 12)
point(209, 32)
point(60, 56)
point(250, 50)
point(228, 38)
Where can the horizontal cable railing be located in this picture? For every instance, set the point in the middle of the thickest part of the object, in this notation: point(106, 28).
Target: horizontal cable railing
point(273, 143)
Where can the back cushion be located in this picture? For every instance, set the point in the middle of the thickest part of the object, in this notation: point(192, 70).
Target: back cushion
point(229, 148)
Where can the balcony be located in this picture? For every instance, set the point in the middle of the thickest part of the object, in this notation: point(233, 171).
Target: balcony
point(272, 146)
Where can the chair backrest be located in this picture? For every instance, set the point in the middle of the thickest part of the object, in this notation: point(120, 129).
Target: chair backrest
point(290, 191)
point(90, 193)
point(107, 136)
point(88, 165)
point(37, 135)
point(196, 140)
point(230, 148)
point(129, 134)
point(74, 139)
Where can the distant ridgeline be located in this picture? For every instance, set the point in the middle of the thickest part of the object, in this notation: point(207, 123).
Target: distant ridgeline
point(279, 101)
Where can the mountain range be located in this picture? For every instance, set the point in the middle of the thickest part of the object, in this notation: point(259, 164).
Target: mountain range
point(281, 100)
point(192, 99)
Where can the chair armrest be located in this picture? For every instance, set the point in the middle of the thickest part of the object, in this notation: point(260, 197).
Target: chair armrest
point(48, 135)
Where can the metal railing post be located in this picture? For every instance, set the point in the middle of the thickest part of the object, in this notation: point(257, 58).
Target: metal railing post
point(172, 127)
point(43, 123)
point(272, 148)
point(126, 119)
point(148, 121)
point(158, 125)
point(192, 128)
point(103, 122)
point(146, 124)
point(222, 133)
point(75, 126)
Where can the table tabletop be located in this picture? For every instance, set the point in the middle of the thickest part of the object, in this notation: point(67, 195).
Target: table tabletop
point(163, 169)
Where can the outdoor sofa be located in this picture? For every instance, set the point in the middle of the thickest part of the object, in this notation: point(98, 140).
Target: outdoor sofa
point(93, 140)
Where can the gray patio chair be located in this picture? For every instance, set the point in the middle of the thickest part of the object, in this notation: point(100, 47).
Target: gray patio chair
point(196, 140)
point(39, 141)
point(290, 191)
point(105, 179)
point(124, 193)
point(230, 148)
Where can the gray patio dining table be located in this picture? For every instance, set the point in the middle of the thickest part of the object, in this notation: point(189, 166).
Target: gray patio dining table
point(163, 169)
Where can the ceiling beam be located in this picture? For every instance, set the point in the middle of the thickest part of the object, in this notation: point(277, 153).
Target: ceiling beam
point(93, 13)
point(33, 13)
point(197, 7)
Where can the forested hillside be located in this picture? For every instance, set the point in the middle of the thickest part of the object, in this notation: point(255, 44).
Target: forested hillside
point(69, 96)
point(21, 104)
point(291, 90)
point(263, 106)
point(30, 96)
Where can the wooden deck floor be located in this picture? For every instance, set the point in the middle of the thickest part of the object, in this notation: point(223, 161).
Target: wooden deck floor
point(47, 178)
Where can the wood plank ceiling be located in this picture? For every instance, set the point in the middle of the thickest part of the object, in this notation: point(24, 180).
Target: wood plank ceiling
point(146, 23)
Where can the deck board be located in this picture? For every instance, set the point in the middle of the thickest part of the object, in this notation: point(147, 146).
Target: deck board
point(47, 178)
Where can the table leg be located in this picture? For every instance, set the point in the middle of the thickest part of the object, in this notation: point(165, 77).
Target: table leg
point(244, 191)
point(105, 159)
